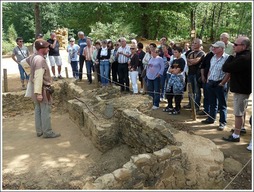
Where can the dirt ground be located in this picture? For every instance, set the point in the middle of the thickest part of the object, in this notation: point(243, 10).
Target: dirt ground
point(29, 162)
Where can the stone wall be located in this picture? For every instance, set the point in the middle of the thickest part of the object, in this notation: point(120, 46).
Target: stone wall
point(168, 159)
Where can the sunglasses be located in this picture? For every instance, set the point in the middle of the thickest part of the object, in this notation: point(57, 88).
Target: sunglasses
point(20, 41)
point(235, 44)
point(71, 41)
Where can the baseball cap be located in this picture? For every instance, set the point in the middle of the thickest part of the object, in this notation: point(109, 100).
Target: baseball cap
point(219, 44)
point(40, 44)
point(72, 39)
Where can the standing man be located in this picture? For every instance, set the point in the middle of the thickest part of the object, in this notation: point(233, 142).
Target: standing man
point(194, 60)
point(217, 85)
point(20, 52)
point(123, 55)
point(88, 54)
point(82, 44)
point(228, 45)
point(240, 82)
point(41, 81)
point(54, 56)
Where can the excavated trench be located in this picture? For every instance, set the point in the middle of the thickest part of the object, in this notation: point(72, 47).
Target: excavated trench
point(161, 157)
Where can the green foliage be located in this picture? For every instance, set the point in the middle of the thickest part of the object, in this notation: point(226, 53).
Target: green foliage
point(12, 34)
point(7, 47)
point(113, 31)
point(146, 19)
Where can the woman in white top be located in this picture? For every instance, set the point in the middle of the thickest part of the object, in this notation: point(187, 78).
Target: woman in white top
point(73, 57)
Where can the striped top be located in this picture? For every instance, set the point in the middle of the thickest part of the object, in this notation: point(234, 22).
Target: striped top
point(215, 72)
point(122, 58)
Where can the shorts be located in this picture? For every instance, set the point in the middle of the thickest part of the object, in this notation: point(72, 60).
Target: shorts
point(55, 60)
point(240, 104)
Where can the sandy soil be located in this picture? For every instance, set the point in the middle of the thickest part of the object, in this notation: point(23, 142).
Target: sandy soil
point(29, 162)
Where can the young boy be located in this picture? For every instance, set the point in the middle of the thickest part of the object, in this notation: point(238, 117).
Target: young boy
point(176, 83)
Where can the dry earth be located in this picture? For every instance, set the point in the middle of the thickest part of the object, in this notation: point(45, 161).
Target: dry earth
point(29, 162)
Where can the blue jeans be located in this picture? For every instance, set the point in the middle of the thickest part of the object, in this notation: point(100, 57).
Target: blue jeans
point(206, 103)
point(104, 71)
point(192, 78)
point(154, 90)
point(74, 66)
point(162, 82)
point(217, 98)
point(22, 73)
point(89, 65)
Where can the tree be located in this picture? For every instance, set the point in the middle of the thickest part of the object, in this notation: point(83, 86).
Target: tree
point(37, 19)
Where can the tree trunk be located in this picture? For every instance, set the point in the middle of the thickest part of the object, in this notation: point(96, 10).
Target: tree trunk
point(200, 36)
point(212, 24)
point(37, 19)
point(218, 21)
point(193, 22)
point(144, 20)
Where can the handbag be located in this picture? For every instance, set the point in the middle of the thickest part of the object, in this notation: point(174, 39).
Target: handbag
point(24, 63)
point(25, 66)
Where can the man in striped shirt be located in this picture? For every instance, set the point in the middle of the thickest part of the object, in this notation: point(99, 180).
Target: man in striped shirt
point(123, 55)
point(217, 85)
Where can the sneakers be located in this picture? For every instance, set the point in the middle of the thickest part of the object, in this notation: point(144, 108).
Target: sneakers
point(249, 148)
point(221, 126)
point(51, 135)
point(23, 87)
point(55, 78)
point(231, 139)
point(141, 91)
point(167, 109)
point(174, 112)
point(155, 107)
point(60, 77)
point(243, 131)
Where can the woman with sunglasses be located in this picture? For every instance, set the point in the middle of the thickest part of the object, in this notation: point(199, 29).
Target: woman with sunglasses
point(19, 53)
point(73, 57)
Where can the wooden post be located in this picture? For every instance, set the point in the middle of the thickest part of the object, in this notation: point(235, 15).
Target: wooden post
point(95, 76)
point(190, 94)
point(5, 81)
point(66, 72)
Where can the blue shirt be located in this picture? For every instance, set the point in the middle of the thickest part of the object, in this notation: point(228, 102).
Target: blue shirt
point(82, 44)
point(155, 67)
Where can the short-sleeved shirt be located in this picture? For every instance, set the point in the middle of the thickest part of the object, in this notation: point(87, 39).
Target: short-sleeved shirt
point(73, 52)
point(193, 69)
point(55, 51)
point(155, 66)
point(216, 73)
point(20, 53)
point(126, 50)
point(82, 44)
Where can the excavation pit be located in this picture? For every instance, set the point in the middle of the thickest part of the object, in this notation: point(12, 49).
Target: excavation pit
point(158, 156)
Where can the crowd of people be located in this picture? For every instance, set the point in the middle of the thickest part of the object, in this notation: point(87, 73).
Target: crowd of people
point(163, 71)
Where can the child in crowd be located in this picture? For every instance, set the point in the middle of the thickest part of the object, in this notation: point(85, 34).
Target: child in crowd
point(176, 83)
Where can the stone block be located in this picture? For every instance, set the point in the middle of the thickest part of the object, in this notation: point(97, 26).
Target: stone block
point(122, 174)
point(142, 159)
point(232, 166)
point(163, 154)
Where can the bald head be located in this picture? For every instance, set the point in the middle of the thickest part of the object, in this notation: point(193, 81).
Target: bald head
point(241, 43)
